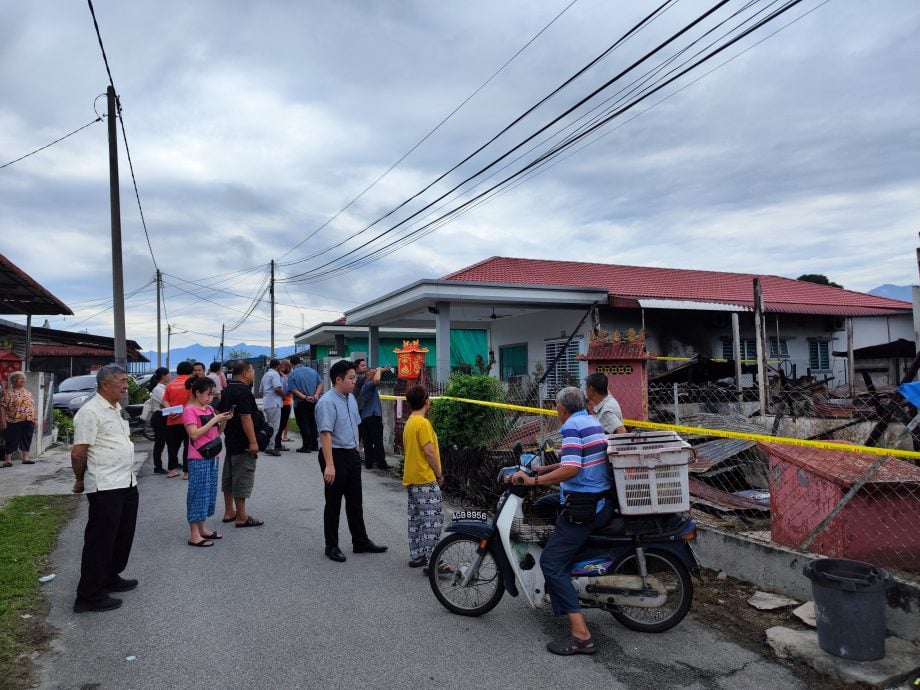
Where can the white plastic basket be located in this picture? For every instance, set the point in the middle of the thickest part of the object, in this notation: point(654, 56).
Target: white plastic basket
point(650, 472)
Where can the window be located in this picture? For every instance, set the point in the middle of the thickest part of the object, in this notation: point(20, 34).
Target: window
point(819, 356)
point(568, 370)
point(512, 360)
point(781, 351)
point(748, 349)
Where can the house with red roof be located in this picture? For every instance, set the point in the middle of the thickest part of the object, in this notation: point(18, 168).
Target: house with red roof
point(531, 307)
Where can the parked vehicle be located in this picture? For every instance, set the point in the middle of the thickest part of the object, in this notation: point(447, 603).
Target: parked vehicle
point(137, 424)
point(637, 568)
point(73, 393)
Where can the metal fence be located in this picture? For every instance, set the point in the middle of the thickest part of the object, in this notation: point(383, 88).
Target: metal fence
point(820, 473)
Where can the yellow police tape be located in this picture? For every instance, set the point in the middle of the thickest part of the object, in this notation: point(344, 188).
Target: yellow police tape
point(700, 431)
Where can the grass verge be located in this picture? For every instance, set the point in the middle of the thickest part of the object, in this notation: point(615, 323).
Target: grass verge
point(29, 527)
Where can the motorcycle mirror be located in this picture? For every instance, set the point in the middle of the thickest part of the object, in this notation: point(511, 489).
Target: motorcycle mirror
point(517, 450)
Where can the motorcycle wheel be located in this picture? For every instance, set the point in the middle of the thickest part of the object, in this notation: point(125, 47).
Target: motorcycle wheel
point(149, 433)
point(673, 575)
point(447, 567)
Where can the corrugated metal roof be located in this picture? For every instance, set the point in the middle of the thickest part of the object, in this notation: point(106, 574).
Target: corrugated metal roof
point(781, 295)
point(843, 468)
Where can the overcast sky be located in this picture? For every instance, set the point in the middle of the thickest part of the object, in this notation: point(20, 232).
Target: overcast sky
point(251, 124)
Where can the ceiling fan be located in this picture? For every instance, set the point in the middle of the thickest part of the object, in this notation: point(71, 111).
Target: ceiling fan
point(495, 316)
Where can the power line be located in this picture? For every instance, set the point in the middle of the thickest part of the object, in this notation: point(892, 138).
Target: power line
point(124, 134)
point(318, 274)
point(42, 148)
point(426, 137)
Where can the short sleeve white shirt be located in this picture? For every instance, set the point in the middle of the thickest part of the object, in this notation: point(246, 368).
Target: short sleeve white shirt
point(110, 457)
point(608, 413)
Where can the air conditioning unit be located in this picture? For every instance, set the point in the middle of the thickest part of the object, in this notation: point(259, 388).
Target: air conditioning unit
point(837, 323)
point(719, 319)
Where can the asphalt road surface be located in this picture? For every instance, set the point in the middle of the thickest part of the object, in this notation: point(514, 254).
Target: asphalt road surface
point(264, 608)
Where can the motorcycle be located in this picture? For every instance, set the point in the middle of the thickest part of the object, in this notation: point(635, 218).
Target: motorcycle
point(636, 568)
point(137, 424)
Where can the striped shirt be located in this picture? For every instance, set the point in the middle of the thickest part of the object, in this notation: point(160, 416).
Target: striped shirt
point(584, 445)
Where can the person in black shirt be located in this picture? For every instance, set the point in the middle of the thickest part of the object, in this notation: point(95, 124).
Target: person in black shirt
point(242, 447)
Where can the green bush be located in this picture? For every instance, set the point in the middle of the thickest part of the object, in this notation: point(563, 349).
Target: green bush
point(461, 425)
point(64, 424)
point(137, 394)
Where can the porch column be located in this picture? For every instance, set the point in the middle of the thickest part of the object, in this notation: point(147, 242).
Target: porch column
point(736, 353)
point(442, 340)
point(373, 346)
point(28, 358)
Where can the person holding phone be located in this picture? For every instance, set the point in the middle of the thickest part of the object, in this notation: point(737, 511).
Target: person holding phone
point(203, 425)
point(242, 447)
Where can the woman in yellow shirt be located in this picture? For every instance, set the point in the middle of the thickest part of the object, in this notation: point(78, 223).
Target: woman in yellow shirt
point(422, 478)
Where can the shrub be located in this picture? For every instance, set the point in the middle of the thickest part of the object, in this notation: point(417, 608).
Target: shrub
point(462, 425)
point(137, 394)
point(64, 424)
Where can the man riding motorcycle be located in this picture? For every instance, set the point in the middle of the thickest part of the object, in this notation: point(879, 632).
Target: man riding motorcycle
point(583, 505)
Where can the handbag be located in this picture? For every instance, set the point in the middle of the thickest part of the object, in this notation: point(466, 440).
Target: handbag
point(579, 507)
point(211, 449)
point(264, 431)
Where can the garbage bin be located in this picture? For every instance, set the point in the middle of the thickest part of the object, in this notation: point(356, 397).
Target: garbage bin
point(849, 607)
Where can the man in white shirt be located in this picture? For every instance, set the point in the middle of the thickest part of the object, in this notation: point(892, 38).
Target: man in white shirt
point(103, 464)
point(273, 393)
point(604, 406)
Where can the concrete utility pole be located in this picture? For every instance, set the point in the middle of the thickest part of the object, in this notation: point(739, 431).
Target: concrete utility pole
point(118, 281)
point(271, 291)
point(168, 339)
point(222, 333)
point(763, 390)
point(736, 353)
point(159, 331)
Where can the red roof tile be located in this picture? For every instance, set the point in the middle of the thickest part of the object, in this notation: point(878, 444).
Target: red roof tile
point(781, 295)
point(40, 350)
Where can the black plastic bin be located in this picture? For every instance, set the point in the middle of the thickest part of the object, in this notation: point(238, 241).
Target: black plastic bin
point(849, 607)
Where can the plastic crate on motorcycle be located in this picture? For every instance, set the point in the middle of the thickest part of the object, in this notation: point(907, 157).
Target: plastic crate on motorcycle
point(650, 472)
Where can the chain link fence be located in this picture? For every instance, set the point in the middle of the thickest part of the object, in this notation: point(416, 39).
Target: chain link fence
point(785, 477)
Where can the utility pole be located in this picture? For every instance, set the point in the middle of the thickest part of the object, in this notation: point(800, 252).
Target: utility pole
point(222, 333)
point(159, 331)
point(168, 339)
point(271, 291)
point(118, 281)
point(759, 341)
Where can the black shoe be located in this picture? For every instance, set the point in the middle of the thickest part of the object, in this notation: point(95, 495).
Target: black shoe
point(105, 604)
point(384, 466)
point(334, 553)
point(280, 448)
point(272, 452)
point(369, 547)
point(120, 584)
point(304, 450)
point(368, 467)
point(159, 470)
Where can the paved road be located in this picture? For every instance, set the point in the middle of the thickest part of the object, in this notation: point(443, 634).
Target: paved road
point(264, 608)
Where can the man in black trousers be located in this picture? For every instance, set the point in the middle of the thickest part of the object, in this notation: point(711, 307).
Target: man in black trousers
point(103, 464)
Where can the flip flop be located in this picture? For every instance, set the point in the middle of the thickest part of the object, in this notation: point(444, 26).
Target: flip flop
point(229, 519)
point(250, 522)
point(571, 645)
point(212, 535)
point(204, 543)
point(171, 474)
point(28, 462)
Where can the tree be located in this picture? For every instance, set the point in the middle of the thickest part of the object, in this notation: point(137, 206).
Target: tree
point(239, 354)
point(818, 279)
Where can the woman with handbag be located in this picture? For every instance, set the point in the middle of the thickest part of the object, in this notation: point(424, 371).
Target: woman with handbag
point(204, 425)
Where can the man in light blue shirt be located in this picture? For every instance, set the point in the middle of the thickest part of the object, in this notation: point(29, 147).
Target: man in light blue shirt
point(272, 387)
point(371, 429)
point(306, 388)
point(337, 419)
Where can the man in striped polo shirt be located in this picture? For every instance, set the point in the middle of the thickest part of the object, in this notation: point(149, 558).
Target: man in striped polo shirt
point(584, 478)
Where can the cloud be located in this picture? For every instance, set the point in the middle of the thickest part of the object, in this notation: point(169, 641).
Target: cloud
point(250, 126)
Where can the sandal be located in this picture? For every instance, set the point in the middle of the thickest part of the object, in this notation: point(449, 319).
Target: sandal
point(229, 519)
point(172, 474)
point(203, 543)
point(572, 645)
point(7, 464)
point(28, 462)
point(250, 522)
point(418, 562)
point(212, 535)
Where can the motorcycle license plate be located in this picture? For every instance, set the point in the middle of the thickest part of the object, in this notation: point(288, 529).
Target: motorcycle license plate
point(479, 515)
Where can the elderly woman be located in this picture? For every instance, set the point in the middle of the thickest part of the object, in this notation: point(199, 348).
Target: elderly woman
point(17, 419)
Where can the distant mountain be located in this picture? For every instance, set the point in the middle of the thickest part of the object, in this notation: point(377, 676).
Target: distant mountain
point(893, 291)
point(209, 353)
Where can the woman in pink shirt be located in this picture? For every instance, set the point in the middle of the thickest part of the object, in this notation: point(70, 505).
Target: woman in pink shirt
point(203, 424)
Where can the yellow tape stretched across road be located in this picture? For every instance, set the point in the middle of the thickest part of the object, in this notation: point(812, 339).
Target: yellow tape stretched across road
point(700, 431)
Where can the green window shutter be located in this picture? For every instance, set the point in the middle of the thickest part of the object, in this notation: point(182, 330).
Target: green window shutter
point(512, 360)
